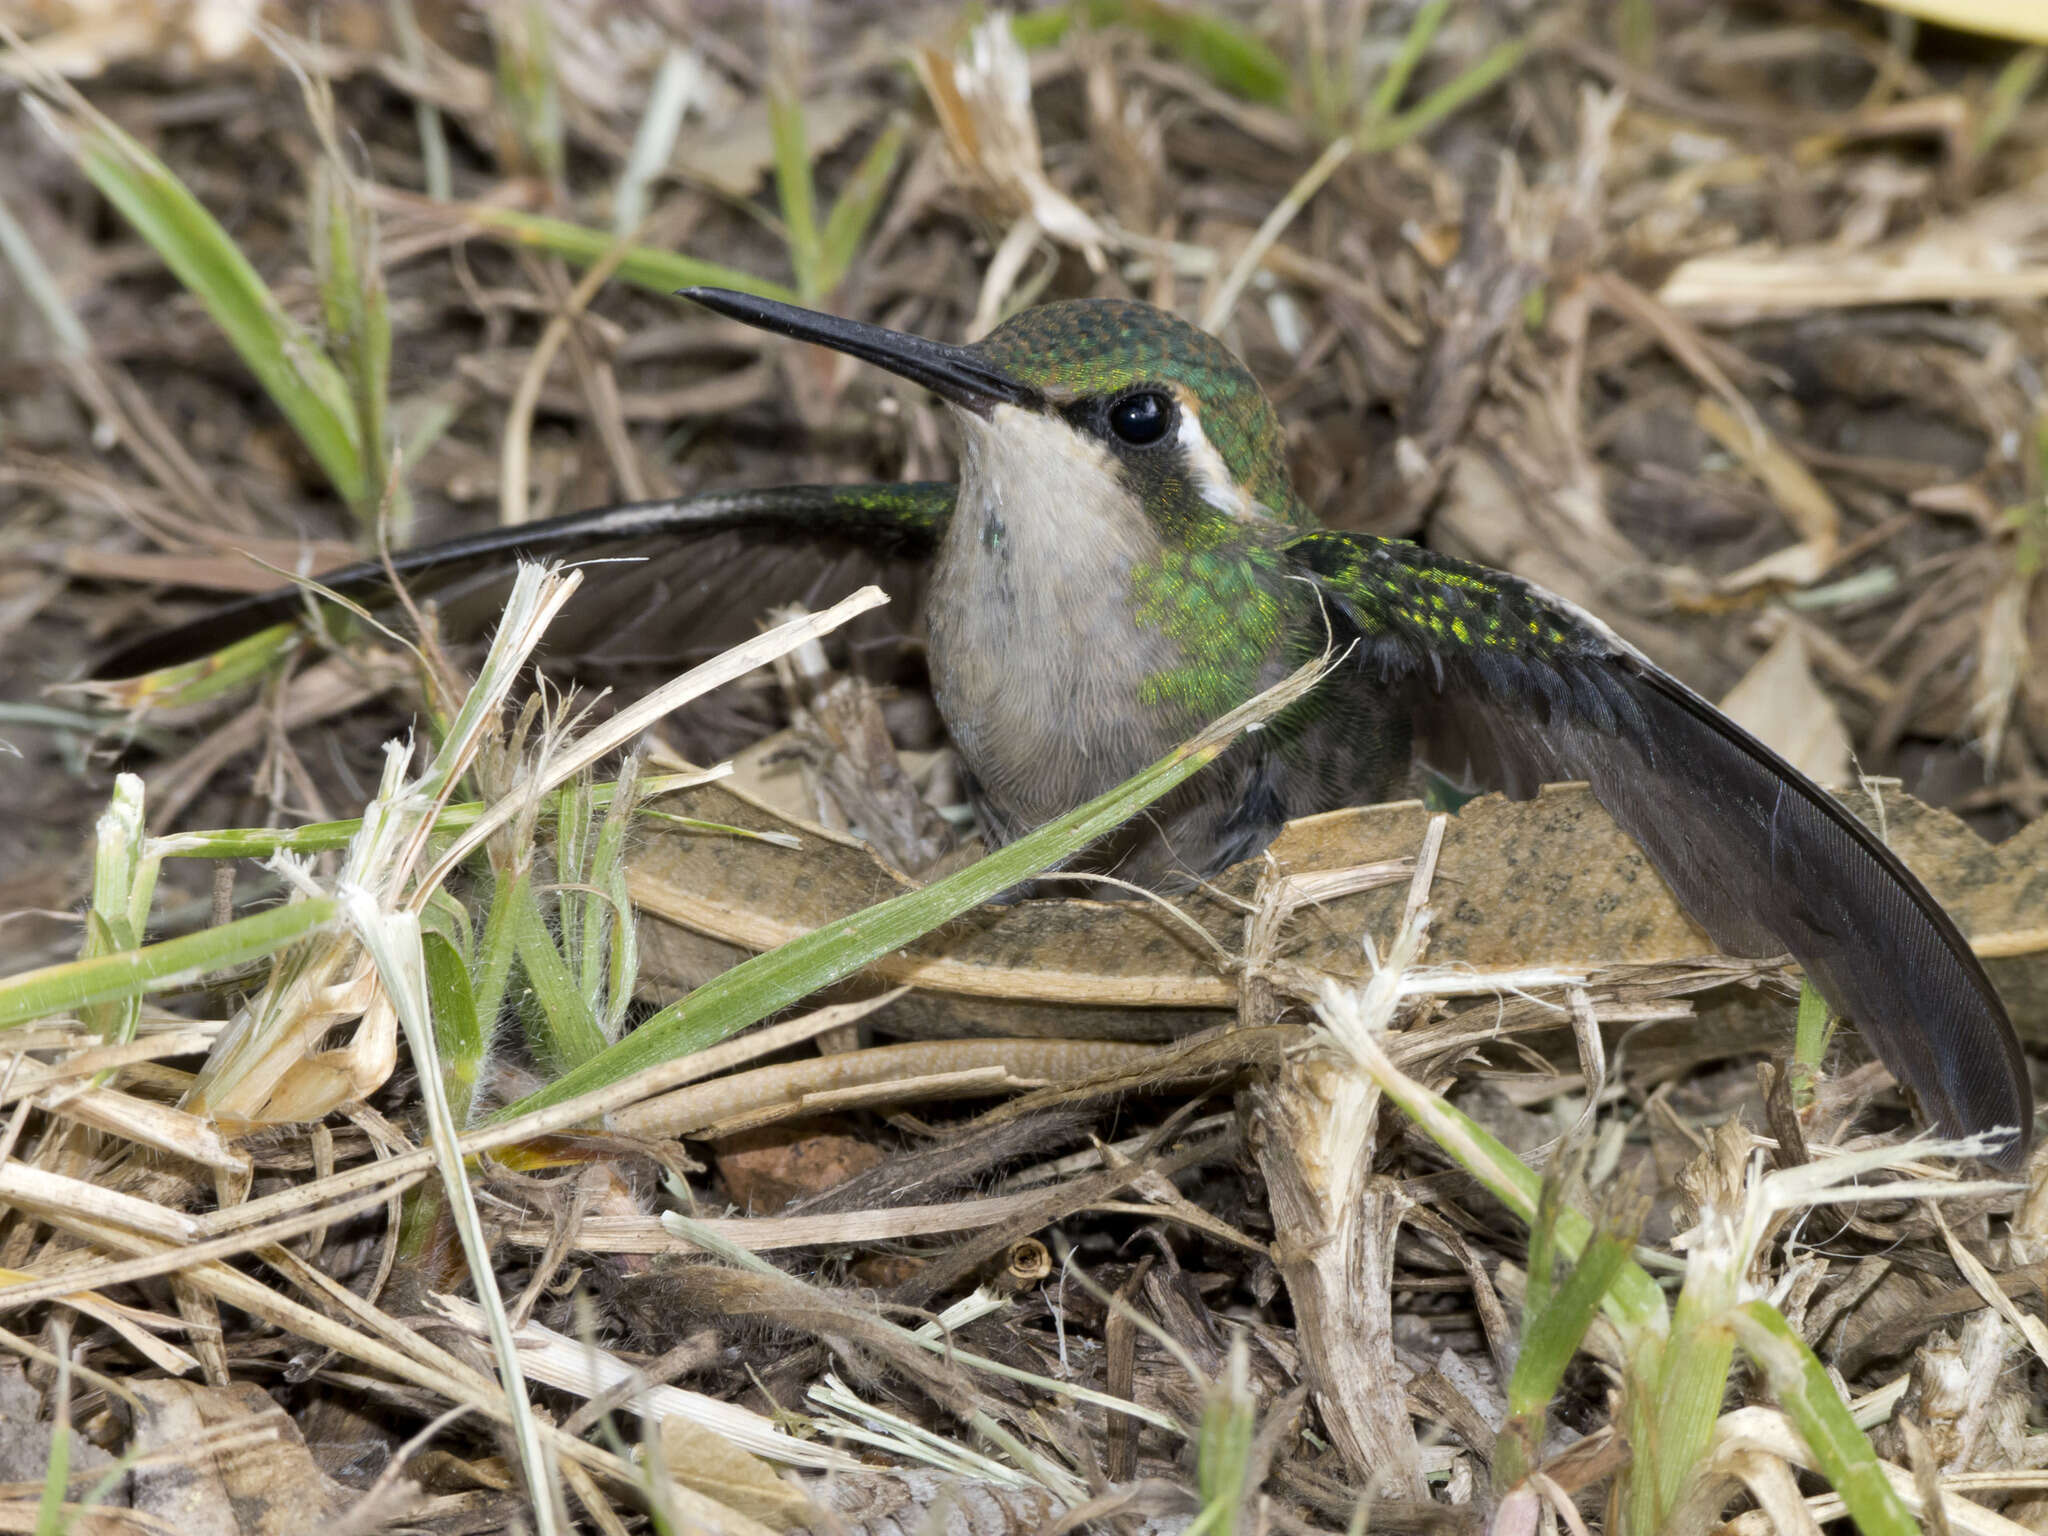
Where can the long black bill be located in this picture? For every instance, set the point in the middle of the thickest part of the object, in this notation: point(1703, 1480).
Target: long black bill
point(957, 374)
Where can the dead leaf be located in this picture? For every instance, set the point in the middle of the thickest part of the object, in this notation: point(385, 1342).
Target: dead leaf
point(712, 1465)
point(1991, 253)
point(245, 1470)
point(1780, 703)
point(982, 97)
point(734, 156)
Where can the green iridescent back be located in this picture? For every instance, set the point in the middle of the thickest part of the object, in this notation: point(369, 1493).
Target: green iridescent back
point(1081, 347)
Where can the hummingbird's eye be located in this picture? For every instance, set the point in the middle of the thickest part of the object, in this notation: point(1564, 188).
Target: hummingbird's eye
point(1141, 419)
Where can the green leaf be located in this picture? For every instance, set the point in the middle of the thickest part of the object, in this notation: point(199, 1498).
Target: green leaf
point(1495, 66)
point(608, 930)
point(795, 190)
point(50, 1519)
point(356, 310)
point(159, 967)
point(1414, 44)
point(768, 983)
point(458, 1032)
point(1549, 1341)
point(1045, 28)
point(1842, 1452)
point(568, 1035)
point(1554, 1335)
point(1225, 52)
point(1634, 1300)
point(527, 90)
point(323, 836)
point(195, 682)
point(299, 378)
point(493, 968)
point(646, 267)
point(1810, 1041)
point(859, 201)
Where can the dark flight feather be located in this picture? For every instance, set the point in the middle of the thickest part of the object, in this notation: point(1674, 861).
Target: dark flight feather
point(719, 559)
point(1512, 688)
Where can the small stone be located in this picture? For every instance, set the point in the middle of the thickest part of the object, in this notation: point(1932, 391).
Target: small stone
point(765, 1170)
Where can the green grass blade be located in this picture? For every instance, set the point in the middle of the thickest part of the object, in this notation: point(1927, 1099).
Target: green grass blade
point(1224, 1443)
point(645, 267)
point(1554, 1335)
point(859, 201)
point(1225, 52)
point(459, 1034)
point(1842, 1451)
point(50, 1519)
point(323, 836)
point(196, 682)
point(1045, 28)
point(356, 308)
point(300, 379)
point(1809, 1042)
point(158, 967)
point(2008, 95)
point(527, 90)
point(123, 885)
point(1678, 1390)
point(565, 1035)
point(768, 983)
point(19, 252)
point(493, 968)
point(654, 141)
point(1549, 1341)
point(1498, 63)
point(796, 191)
point(610, 943)
point(1634, 1300)
point(1540, 1281)
point(412, 47)
point(1401, 68)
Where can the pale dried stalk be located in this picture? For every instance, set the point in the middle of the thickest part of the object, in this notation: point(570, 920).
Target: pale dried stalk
point(1019, 1063)
point(767, 1234)
point(628, 723)
point(1337, 1222)
point(588, 1372)
point(78, 1274)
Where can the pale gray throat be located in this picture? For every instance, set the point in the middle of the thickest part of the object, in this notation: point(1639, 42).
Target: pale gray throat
point(1036, 660)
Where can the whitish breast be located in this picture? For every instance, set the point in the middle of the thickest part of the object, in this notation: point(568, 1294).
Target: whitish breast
point(1036, 662)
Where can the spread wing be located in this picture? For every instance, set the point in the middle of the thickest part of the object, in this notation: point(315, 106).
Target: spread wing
point(702, 570)
point(1512, 688)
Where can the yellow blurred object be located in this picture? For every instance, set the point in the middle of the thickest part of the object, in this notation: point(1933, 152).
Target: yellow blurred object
point(2024, 21)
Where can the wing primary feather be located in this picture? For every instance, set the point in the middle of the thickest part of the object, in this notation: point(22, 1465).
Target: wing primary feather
point(1513, 687)
point(888, 518)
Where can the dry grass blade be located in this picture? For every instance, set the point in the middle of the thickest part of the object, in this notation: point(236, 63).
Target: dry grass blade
point(587, 1371)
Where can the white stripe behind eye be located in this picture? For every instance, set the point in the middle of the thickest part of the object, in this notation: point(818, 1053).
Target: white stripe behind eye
point(1219, 488)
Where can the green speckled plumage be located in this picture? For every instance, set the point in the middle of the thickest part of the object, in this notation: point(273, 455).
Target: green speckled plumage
point(1395, 588)
point(1224, 609)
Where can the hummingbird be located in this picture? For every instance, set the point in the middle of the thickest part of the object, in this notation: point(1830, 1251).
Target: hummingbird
point(1124, 558)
